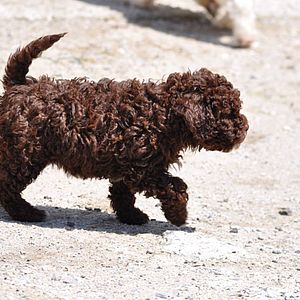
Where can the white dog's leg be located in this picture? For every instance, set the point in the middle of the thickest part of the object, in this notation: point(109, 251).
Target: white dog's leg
point(243, 22)
point(239, 16)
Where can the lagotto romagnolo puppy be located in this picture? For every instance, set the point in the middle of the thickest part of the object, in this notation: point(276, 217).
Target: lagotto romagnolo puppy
point(129, 132)
point(237, 15)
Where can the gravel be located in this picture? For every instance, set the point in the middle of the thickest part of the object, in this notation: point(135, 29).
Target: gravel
point(236, 244)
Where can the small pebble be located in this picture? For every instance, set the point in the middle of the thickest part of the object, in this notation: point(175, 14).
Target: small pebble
point(285, 211)
point(233, 230)
point(276, 252)
point(287, 128)
point(92, 209)
point(217, 272)
point(162, 296)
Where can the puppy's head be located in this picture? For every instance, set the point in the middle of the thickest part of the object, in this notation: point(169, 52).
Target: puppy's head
point(210, 108)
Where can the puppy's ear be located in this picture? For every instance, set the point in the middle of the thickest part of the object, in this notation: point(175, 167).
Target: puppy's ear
point(190, 113)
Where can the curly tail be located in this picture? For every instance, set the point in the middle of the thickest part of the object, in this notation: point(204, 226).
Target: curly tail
point(19, 62)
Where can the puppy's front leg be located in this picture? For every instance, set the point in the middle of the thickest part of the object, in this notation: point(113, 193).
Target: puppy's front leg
point(172, 193)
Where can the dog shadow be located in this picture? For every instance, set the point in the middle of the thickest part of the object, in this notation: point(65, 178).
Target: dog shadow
point(95, 220)
point(172, 20)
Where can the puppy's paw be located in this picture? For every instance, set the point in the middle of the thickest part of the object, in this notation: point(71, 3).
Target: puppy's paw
point(31, 214)
point(177, 220)
point(176, 215)
point(133, 217)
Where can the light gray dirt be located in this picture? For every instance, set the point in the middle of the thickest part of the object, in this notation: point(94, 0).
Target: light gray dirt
point(236, 244)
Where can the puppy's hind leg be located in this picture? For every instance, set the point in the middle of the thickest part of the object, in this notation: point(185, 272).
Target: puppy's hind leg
point(122, 202)
point(13, 180)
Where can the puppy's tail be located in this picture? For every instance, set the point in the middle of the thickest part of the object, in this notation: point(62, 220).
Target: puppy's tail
point(19, 62)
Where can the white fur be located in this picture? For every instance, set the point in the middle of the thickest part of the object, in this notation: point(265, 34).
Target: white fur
point(237, 15)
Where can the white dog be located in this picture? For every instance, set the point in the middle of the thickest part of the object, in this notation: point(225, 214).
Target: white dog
point(237, 15)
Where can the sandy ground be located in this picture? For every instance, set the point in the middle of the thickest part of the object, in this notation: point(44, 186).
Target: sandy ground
point(236, 244)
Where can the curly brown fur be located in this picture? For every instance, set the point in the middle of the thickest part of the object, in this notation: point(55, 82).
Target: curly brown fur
point(129, 132)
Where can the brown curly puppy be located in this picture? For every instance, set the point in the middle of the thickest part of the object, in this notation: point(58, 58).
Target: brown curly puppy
point(129, 132)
